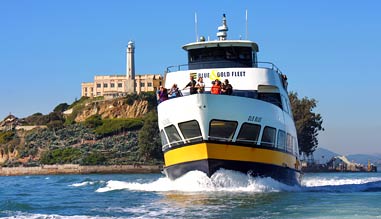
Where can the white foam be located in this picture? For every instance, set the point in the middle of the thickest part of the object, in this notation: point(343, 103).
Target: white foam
point(85, 183)
point(318, 181)
point(22, 215)
point(196, 181)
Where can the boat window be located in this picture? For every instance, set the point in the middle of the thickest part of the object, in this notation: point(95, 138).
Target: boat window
point(173, 135)
point(296, 148)
point(281, 143)
point(268, 137)
point(249, 133)
point(164, 140)
point(191, 131)
point(245, 93)
point(219, 57)
point(285, 105)
point(290, 143)
point(273, 98)
point(222, 130)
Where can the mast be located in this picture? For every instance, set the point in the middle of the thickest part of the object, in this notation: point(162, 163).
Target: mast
point(222, 30)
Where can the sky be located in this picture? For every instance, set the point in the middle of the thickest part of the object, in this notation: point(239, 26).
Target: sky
point(329, 50)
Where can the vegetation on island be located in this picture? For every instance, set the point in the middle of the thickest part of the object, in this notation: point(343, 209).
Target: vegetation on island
point(95, 141)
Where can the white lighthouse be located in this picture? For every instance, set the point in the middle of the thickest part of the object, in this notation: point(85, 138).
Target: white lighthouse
point(130, 67)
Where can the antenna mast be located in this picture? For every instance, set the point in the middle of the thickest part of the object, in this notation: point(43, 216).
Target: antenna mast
point(246, 26)
point(195, 26)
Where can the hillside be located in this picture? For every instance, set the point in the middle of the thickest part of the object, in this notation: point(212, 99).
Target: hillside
point(87, 132)
point(322, 155)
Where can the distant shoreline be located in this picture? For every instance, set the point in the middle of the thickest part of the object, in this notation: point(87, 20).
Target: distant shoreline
point(78, 169)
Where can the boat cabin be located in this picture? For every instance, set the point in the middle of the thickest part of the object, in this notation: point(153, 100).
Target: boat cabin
point(221, 54)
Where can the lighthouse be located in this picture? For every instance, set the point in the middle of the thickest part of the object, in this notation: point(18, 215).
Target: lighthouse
point(130, 67)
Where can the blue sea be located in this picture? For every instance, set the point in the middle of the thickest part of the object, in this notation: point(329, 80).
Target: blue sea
point(227, 194)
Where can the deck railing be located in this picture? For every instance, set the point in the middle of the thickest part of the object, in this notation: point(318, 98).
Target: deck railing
point(184, 67)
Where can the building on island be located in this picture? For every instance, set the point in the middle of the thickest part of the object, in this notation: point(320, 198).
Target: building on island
point(119, 85)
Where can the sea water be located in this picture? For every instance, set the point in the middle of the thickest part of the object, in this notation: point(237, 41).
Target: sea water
point(227, 194)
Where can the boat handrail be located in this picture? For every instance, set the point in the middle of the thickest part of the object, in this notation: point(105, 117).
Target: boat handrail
point(194, 138)
point(247, 141)
point(216, 138)
point(185, 67)
point(181, 142)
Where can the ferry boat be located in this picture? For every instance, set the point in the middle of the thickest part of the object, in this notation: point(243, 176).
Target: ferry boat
point(251, 130)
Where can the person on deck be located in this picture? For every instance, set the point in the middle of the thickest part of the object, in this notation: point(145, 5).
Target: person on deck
point(200, 85)
point(191, 85)
point(226, 88)
point(174, 92)
point(163, 95)
point(216, 88)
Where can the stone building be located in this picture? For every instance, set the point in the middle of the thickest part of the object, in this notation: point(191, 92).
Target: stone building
point(120, 85)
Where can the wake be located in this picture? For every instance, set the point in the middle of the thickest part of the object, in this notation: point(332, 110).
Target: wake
point(196, 181)
point(233, 181)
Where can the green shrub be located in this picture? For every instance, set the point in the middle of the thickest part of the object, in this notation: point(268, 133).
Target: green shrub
point(93, 121)
point(7, 136)
point(149, 139)
point(94, 158)
point(114, 126)
point(61, 156)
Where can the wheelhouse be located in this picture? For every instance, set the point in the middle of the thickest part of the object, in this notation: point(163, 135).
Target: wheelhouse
point(222, 54)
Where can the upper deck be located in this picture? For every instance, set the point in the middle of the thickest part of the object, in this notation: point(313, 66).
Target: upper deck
point(234, 60)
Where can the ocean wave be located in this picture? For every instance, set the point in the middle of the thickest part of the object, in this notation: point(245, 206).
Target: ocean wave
point(86, 183)
point(23, 215)
point(319, 181)
point(10, 204)
point(339, 185)
point(355, 186)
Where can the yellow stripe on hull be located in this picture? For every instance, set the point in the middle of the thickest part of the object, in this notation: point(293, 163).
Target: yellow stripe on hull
point(208, 150)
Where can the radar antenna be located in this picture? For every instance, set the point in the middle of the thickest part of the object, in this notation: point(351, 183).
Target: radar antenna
point(222, 30)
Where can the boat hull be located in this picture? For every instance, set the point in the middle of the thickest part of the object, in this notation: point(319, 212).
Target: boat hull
point(209, 157)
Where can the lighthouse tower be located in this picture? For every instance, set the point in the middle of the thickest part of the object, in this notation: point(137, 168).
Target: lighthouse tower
point(130, 67)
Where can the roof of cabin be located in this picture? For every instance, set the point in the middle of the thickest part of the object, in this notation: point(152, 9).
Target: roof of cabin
point(221, 43)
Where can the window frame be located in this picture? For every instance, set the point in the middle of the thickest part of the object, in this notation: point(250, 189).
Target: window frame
point(164, 139)
point(278, 145)
point(219, 138)
point(195, 139)
point(265, 143)
point(251, 142)
point(173, 142)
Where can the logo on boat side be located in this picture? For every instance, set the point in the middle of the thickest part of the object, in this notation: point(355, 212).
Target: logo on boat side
point(214, 74)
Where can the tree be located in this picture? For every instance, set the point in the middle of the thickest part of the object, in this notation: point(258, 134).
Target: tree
point(61, 107)
point(149, 138)
point(307, 123)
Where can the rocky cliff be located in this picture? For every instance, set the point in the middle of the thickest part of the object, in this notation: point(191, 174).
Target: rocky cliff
point(111, 109)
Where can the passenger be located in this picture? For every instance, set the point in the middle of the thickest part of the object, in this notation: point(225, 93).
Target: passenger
point(191, 85)
point(284, 80)
point(200, 85)
point(163, 94)
point(226, 88)
point(216, 88)
point(158, 94)
point(174, 92)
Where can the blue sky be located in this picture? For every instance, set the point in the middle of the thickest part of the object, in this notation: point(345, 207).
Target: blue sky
point(330, 51)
